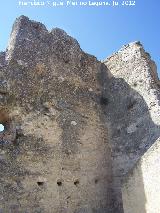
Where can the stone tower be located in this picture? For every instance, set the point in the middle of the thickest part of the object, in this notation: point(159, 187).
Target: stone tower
point(74, 126)
point(55, 154)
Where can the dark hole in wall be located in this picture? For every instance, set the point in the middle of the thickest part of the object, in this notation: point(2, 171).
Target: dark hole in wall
point(104, 101)
point(40, 183)
point(131, 105)
point(59, 183)
point(96, 181)
point(76, 182)
point(66, 61)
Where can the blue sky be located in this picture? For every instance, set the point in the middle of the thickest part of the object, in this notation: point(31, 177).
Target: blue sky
point(99, 30)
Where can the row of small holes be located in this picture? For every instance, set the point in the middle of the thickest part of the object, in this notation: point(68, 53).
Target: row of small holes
point(76, 183)
point(59, 183)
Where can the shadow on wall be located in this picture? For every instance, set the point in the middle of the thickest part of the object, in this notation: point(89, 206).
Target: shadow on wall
point(131, 131)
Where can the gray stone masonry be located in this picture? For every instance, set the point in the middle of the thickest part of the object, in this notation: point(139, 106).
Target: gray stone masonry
point(74, 126)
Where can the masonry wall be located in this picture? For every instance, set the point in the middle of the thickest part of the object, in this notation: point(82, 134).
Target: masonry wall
point(133, 110)
point(74, 127)
point(141, 189)
point(54, 152)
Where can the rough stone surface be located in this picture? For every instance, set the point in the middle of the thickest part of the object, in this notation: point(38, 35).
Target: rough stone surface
point(74, 126)
point(141, 188)
point(54, 152)
point(134, 124)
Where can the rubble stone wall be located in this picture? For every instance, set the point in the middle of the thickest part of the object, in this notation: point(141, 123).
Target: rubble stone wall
point(74, 126)
point(133, 112)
